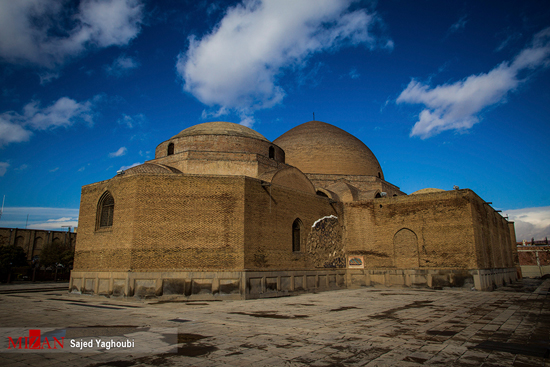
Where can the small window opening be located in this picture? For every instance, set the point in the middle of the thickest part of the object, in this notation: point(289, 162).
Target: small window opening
point(271, 153)
point(170, 148)
point(106, 210)
point(296, 239)
point(379, 175)
point(377, 195)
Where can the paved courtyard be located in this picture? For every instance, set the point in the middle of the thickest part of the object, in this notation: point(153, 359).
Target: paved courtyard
point(360, 327)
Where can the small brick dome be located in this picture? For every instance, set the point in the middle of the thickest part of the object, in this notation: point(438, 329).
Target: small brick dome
point(318, 147)
point(220, 128)
point(221, 137)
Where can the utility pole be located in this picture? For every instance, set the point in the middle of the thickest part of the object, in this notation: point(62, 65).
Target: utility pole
point(2, 210)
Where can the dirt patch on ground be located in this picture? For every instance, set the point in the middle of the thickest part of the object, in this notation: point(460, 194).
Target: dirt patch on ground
point(269, 315)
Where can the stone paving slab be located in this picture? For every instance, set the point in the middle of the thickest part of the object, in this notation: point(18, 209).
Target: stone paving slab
point(360, 327)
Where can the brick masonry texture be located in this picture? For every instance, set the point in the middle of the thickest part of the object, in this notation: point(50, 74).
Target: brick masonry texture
point(33, 240)
point(221, 217)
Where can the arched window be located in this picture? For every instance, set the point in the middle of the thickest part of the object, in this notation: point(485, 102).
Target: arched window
point(271, 153)
point(377, 195)
point(170, 148)
point(296, 235)
point(106, 209)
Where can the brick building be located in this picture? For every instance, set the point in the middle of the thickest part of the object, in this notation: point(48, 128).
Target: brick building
point(33, 240)
point(534, 259)
point(222, 212)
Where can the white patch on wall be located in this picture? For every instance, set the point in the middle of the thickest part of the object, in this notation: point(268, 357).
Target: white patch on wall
point(327, 217)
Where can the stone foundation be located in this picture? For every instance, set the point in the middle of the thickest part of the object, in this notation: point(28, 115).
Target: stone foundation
point(481, 279)
point(265, 284)
point(206, 285)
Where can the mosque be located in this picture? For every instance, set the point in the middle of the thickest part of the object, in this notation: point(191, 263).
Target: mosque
point(224, 213)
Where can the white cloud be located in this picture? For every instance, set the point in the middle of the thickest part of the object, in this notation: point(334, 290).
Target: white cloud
point(54, 169)
point(3, 168)
point(531, 222)
point(236, 66)
point(353, 74)
point(460, 24)
point(16, 127)
point(39, 218)
point(11, 132)
point(48, 76)
point(119, 153)
point(132, 121)
point(130, 166)
point(56, 224)
point(48, 32)
point(121, 66)
point(456, 106)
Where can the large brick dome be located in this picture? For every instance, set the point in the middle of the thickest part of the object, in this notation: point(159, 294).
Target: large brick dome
point(321, 148)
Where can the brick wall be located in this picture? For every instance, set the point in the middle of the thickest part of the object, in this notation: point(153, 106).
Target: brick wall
point(106, 248)
point(164, 223)
point(528, 255)
point(439, 229)
point(33, 240)
point(269, 214)
point(492, 235)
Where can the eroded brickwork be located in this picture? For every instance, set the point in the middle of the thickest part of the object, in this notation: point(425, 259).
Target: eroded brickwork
point(269, 214)
point(386, 230)
point(324, 244)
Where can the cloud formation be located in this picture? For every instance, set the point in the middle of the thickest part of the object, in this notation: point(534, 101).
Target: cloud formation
point(39, 218)
point(121, 66)
point(456, 106)
point(17, 127)
point(459, 25)
point(48, 32)
point(119, 153)
point(132, 121)
point(531, 222)
point(235, 68)
point(3, 168)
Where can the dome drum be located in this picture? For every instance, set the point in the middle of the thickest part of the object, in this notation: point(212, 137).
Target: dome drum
point(220, 137)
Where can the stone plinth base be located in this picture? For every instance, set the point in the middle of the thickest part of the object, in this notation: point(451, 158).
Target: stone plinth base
point(206, 285)
point(481, 279)
point(263, 284)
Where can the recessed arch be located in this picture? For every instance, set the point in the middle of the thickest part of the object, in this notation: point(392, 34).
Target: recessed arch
point(405, 247)
point(105, 210)
point(297, 229)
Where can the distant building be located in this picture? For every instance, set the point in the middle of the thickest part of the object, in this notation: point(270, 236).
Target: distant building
point(33, 240)
point(222, 212)
point(534, 260)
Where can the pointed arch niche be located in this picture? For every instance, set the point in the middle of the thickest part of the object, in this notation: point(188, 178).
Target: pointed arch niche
point(105, 211)
point(297, 230)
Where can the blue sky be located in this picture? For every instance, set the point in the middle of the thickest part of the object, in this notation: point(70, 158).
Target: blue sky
point(443, 93)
